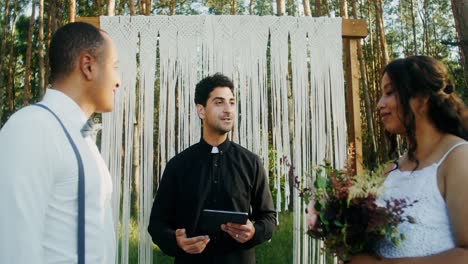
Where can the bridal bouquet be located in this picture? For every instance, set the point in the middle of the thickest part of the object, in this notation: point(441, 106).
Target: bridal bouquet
point(345, 210)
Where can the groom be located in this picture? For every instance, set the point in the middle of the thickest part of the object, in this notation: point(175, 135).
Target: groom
point(47, 165)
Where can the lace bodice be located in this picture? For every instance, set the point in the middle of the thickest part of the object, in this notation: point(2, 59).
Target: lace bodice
point(431, 234)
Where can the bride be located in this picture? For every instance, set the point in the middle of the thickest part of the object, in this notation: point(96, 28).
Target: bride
point(419, 102)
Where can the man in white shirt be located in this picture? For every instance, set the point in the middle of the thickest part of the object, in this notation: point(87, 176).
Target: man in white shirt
point(39, 168)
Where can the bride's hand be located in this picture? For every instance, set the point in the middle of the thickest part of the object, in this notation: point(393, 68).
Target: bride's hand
point(312, 215)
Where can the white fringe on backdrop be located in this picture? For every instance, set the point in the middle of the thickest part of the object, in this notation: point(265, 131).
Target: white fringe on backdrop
point(163, 57)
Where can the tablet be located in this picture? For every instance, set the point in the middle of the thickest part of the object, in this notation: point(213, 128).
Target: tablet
point(211, 220)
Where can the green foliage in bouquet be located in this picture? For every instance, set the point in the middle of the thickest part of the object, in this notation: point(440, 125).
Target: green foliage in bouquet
point(350, 219)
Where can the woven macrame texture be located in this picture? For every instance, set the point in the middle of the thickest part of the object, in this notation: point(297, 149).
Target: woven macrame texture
point(289, 87)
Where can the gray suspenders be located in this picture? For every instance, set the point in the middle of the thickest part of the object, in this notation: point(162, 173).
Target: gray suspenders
point(81, 191)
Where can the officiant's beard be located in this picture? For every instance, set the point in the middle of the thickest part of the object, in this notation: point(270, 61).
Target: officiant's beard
point(219, 127)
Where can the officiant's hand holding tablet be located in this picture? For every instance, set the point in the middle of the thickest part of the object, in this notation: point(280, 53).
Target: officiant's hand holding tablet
point(212, 220)
point(236, 224)
point(240, 233)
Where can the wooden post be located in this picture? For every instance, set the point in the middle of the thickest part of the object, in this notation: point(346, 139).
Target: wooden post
point(352, 98)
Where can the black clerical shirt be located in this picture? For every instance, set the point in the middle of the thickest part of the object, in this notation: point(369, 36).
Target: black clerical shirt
point(196, 179)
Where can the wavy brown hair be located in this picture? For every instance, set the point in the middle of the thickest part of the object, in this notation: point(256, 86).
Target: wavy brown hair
point(426, 77)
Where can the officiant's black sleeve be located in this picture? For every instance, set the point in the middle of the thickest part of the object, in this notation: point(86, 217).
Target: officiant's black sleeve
point(263, 212)
point(163, 213)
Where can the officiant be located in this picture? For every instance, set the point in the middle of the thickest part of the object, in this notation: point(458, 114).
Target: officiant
point(213, 174)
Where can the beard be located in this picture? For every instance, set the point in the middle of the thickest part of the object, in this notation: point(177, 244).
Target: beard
point(218, 127)
point(223, 129)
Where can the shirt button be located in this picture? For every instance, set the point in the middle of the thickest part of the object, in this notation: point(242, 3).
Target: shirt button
point(216, 164)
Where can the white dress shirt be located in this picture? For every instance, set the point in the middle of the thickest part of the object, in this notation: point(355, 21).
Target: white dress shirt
point(39, 188)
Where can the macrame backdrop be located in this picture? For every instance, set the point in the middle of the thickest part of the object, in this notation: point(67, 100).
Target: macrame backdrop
point(161, 60)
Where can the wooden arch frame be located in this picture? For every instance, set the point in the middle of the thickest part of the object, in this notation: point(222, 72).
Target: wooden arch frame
point(353, 30)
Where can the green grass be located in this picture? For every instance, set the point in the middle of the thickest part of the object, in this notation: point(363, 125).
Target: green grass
point(278, 250)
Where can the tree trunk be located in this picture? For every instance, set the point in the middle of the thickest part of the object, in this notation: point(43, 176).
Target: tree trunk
point(251, 7)
point(280, 8)
point(141, 8)
point(2, 54)
point(132, 7)
point(172, 7)
point(99, 7)
point(413, 23)
point(11, 58)
point(58, 15)
point(6, 22)
point(344, 8)
point(427, 37)
point(50, 30)
point(460, 15)
point(136, 171)
point(291, 134)
point(110, 7)
point(40, 52)
point(318, 8)
point(71, 11)
point(402, 30)
point(306, 5)
point(27, 67)
point(327, 8)
point(148, 8)
point(381, 32)
point(233, 7)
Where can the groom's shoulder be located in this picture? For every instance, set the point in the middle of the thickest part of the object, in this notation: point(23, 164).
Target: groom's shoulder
point(29, 118)
point(28, 126)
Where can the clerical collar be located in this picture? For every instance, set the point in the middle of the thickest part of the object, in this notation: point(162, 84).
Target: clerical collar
point(211, 149)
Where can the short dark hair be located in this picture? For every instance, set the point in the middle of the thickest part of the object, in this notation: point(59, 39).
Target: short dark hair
point(68, 43)
point(208, 84)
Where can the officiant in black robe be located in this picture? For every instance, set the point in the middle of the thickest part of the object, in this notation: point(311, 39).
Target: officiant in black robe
point(213, 174)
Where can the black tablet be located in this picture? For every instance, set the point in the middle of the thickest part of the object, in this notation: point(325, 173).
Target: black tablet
point(212, 220)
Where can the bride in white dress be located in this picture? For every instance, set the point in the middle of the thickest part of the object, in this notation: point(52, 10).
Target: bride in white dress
point(419, 102)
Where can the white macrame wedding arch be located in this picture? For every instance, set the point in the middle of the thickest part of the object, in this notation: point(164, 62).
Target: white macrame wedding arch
point(161, 60)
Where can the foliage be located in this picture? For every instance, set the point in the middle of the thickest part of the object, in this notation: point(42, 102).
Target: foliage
point(183, 7)
point(263, 8)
